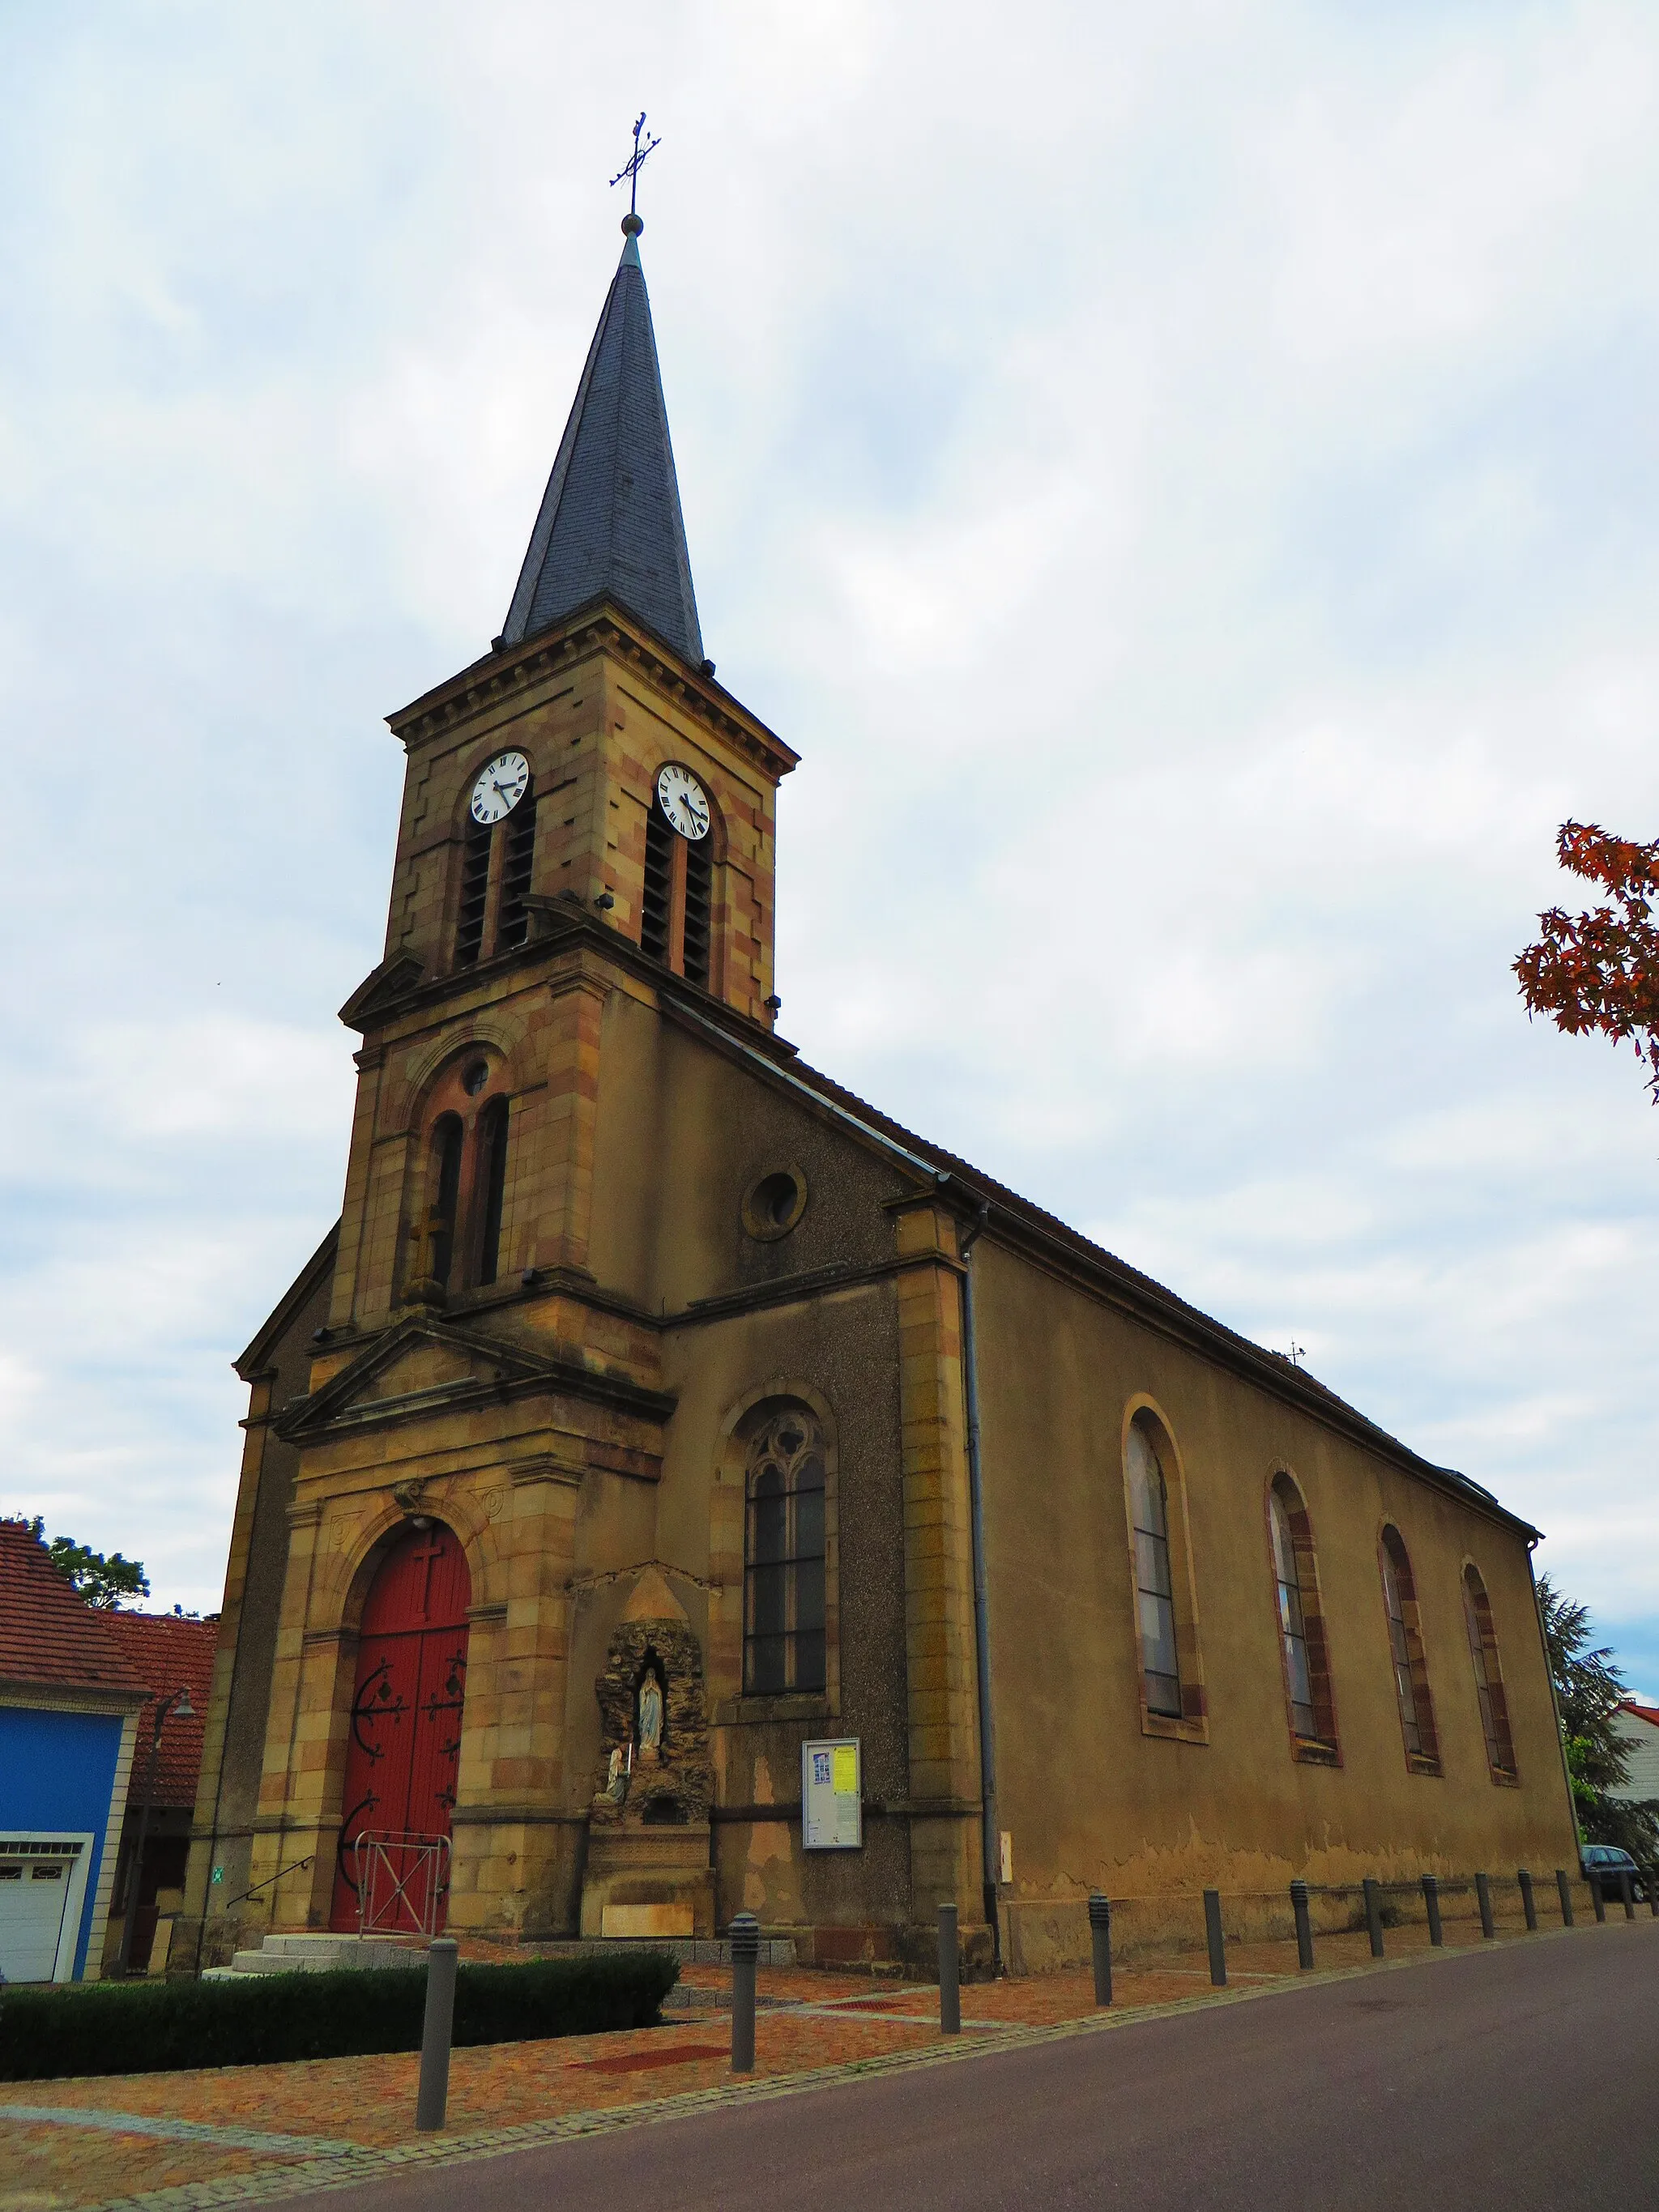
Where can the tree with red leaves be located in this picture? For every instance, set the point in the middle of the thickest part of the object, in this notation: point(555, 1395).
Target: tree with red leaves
point(1600, 970)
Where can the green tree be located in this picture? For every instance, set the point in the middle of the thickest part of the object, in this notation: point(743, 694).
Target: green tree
point(1590, 1690)
point(105, 1582)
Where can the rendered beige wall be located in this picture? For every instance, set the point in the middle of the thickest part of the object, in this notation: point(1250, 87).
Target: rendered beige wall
point(1090, 1799)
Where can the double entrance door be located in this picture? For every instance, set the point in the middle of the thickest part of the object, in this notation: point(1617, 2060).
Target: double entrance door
point(404, 1753)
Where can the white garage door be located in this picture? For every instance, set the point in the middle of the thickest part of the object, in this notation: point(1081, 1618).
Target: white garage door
point(40, 1887)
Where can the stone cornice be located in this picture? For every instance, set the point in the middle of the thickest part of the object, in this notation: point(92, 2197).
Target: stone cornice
point(563, 927)
point(501, 1372)
point(504, 677)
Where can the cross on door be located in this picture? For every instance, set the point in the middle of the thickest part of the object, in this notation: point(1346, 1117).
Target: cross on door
point(429, 1553)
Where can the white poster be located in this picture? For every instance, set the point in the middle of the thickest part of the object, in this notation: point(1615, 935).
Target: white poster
point(831, 1796)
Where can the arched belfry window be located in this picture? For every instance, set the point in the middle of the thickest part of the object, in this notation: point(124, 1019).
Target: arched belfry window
point(1171, 1694)
point(1301, 1625)
point(783, 1578)
point(464, 1178)
point(1411, 1674)
point(677, 904)
point(497, 861)
point(1488, 1677)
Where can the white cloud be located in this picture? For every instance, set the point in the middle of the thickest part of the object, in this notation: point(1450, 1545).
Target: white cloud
point(1183, 479)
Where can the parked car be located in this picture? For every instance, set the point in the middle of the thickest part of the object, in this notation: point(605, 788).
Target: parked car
point(1603, 1863)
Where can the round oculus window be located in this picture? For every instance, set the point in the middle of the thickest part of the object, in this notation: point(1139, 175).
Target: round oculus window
point(775, 1203)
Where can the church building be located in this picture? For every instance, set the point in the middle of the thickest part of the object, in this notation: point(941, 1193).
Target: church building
point(674, 1489)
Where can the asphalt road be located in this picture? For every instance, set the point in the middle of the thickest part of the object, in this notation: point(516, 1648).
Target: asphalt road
point(1512, 2079)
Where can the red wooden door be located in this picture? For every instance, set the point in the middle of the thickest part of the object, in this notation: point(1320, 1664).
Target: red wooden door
point(405, 1743)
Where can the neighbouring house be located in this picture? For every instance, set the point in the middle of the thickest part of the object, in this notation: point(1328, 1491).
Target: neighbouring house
point(70, 1701)
point(1638, 1727)
point(168, 1654)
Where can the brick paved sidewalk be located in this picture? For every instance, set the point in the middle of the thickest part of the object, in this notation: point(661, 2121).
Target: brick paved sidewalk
point(809, 2022)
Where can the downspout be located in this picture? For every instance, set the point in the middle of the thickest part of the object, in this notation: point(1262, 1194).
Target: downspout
point(987, 1741)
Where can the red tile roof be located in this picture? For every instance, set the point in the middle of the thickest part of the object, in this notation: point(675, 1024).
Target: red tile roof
point(1649, 1713)
point(49, 1635)
point(167, 1654)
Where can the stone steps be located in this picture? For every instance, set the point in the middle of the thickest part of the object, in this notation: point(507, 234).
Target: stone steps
point(324, 1954)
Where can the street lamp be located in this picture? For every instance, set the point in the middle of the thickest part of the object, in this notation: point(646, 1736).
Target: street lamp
point(178, 1704)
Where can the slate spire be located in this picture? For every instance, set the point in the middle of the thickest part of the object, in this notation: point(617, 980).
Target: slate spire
point(610, 525)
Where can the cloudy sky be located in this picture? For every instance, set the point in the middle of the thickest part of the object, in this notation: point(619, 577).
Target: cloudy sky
point(1185, 479)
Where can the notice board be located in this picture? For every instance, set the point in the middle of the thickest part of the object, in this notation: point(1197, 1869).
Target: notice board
point(832, 1795)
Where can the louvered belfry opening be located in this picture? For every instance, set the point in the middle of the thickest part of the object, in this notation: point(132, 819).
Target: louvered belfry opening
point(677, 902)
point(518, 861)
point(475, 893)
point(699, 911)
point(657, 903)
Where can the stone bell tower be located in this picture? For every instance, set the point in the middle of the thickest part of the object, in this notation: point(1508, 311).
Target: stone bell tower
point(585, 855)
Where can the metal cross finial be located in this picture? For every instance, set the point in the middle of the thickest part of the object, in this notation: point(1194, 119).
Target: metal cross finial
point(635, 162)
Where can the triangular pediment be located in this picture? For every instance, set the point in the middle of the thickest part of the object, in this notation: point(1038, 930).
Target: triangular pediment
point(425, 1365)
point(380, 990)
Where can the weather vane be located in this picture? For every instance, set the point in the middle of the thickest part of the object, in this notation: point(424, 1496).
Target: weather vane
point(635, 162)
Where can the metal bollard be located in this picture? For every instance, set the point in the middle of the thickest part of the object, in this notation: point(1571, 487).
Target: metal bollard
point(1597, 1897)
point(1216, 1941)
point(1625, 1893)
point(1304, 1926)
point(746, 1955)
point(950, 1973)
point(432, 2098)
point(1100, 1940)
point(1374, 1916)
point(1528, 1903)
point(1563, 1890)
point(1483, 1899)
point(1431, 1906)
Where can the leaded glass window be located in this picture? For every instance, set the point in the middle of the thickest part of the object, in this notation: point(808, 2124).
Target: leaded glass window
point(1293, 1620)
point(1488, 1677)
point(783, 1642)
point(1148, 1497)
point(1411, 1680)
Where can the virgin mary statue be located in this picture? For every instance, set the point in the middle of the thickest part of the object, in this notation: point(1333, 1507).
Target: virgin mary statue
point(650, 1715)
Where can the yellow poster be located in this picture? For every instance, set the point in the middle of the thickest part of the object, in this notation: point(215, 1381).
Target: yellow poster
point(846, 1782)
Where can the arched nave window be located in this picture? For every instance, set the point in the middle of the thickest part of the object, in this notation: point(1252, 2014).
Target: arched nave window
point(1488, 1677)
point(1171, 1679)
point(1411, 1674)
point(1301, 1623)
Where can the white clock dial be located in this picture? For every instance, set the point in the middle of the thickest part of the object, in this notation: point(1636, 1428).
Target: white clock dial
point(500, 788)
point(683, 801)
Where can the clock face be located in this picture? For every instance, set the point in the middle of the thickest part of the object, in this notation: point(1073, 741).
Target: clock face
point(500, 786)
point(683, 801)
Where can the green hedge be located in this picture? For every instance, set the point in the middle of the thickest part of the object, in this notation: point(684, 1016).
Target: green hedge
point(147, 2028)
